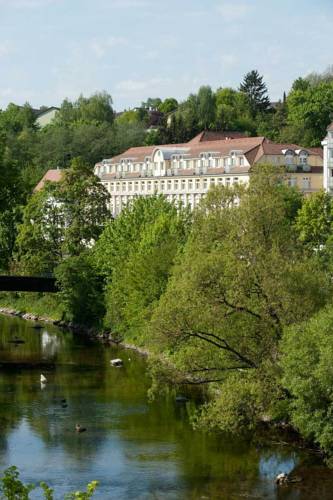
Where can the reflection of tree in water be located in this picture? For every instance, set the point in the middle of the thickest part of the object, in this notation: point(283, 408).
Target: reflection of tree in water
point(112, 404)
point(10, 409)
point(39, 344)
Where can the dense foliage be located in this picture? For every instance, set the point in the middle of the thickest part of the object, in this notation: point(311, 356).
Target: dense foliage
point(12, 488)
point(136, 253)
point(243, 277)
point(307, 374)
point(235, 297)
point(61, 220)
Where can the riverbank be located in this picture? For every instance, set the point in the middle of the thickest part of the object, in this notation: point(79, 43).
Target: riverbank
point(91, 332)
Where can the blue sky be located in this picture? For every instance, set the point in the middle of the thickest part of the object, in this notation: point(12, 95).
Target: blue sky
point(134, 49)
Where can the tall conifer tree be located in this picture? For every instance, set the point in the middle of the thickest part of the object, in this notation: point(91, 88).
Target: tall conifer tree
point(255, 88)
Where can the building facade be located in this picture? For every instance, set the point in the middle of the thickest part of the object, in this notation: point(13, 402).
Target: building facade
point(185, 172)
point(46, 117)
point(327, 144)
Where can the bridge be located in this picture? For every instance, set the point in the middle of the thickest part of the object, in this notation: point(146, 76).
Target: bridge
point(27, 284)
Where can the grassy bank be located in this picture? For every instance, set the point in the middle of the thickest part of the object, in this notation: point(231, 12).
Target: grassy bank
point(40, 304)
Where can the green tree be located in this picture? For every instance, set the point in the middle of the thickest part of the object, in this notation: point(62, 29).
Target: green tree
point(94, 109)
point(233, 111)
point(254, 87)
point(309, 111)
point(17, 118)
point(152, 103)
point(136, 253)
point(62, 219)
point(242, 277)
point(83, 200)
point(12, 488)
point(168, 105)
point(206, 108)
point(314, 220)
point(307, 358)
point(81, 290)
point(41, 234)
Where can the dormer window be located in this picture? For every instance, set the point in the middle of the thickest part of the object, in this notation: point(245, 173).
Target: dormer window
point(303, 156)
point(289, 156)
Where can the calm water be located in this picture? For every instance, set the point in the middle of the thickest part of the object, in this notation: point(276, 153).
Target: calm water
point(136, 449)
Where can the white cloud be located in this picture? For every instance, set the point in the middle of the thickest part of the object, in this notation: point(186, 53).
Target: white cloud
point(6, 92)
point(101, 47)
point(228, 59)
point(233, 11)
point(131, 86)
point(151, 55)
point(5, 48)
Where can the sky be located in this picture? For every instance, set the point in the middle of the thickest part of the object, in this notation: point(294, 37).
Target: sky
point(134, 49)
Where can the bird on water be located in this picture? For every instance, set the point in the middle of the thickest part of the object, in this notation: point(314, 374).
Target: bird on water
point(78, 428)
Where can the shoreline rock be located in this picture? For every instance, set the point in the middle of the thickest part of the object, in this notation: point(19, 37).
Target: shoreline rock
point(102, 336)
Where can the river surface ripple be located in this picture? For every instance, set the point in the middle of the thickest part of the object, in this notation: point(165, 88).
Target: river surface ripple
point(134, 448)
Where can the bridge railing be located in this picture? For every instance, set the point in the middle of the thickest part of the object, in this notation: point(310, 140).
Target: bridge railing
point(27, 284)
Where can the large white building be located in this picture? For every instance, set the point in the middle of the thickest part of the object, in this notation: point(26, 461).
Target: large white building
point(327, 144)
point(185, 172)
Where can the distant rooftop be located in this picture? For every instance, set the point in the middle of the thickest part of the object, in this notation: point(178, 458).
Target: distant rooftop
point(53, 175)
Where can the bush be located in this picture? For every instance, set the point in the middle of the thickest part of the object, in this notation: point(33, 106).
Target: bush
point(12, 488)
point(81, 290)
point(307, 362)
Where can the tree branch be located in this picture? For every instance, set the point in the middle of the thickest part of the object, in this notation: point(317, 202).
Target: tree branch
point(220, 343)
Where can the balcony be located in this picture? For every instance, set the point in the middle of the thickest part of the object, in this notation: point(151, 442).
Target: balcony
point(306, 168)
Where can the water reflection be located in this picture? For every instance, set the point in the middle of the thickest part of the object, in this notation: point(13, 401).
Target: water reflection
point(50, 344)
point(134, 448)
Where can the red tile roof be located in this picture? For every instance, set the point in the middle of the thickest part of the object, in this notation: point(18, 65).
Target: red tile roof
point(253, 148)
point(209, 135)
point(274, 148)
point(50, 176)
point(318, 151)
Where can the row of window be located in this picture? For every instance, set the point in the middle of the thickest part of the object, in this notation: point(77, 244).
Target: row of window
point(306, 182)
point(129, 166)
point(170, 185)
point(185, 199)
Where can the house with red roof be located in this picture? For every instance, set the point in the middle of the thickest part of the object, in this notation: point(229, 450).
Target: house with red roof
point(184, 172)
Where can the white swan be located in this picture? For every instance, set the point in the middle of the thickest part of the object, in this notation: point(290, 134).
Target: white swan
point(116, 362)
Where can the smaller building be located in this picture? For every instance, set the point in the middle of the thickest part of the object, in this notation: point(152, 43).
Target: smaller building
point(53, 175)
point(46, 116)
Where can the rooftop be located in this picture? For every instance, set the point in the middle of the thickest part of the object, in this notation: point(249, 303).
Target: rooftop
point(53, 175)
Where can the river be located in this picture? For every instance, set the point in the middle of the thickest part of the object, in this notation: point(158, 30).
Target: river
point(134, 448)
